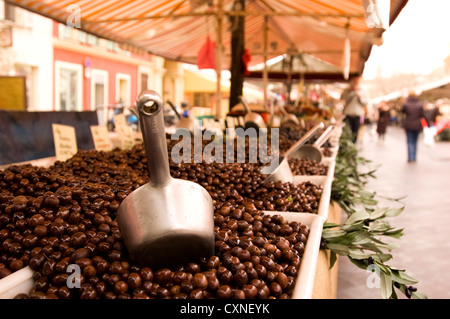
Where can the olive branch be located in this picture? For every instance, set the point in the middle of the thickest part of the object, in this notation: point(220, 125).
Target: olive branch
point(360, 237)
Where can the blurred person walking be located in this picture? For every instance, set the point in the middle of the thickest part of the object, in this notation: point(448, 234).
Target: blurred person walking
point(384, 117)
point(431, 112)
point(413, 114)
point(355, 106)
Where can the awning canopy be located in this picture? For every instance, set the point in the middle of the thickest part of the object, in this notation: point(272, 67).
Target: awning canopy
point(430, 90)
point(176, 29)
point(299, 67)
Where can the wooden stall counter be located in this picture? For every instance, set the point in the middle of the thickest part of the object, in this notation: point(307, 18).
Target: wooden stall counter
point(325, 283)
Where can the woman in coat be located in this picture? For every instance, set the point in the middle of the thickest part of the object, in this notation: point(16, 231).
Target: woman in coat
point(413, 113)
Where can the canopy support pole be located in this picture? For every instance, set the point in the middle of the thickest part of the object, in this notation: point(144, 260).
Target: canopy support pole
point(266, 72)
point(219, 51)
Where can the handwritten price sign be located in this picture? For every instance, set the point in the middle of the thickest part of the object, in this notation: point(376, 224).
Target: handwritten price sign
point(101, 138)
point(65, 141)
point(124, 131)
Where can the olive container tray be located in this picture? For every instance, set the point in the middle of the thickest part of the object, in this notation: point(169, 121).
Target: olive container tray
point(325, 181)
point(22, 280)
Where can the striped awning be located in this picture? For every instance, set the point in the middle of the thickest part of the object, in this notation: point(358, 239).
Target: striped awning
point(176, 29)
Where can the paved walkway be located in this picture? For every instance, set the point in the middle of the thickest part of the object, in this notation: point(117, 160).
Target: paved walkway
point(424, 250)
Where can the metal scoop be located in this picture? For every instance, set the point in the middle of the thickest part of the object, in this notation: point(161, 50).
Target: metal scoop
point(167, 221)
point(283, 172)
point(252, 119)
point(288, 117)
point(183, 122)
point(274, 119)
point(313, 152)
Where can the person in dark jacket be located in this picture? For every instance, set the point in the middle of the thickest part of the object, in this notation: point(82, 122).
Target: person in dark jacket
point(384, 117)
point(413, 113)
point(431, 112)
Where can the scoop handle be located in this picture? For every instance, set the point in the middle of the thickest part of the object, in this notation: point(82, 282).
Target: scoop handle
point(151, 118)
point(283, 110)
point(244, 103)
point(324, 137)
point(304, 139)
point(174, 109)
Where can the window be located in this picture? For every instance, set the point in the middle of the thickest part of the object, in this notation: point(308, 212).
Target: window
point(64, 31)
point(10, 12)
point(68, 86)
point(82, 37)
point(99, 88)
point(144, 81)
point(92, 40)
point(123, 89)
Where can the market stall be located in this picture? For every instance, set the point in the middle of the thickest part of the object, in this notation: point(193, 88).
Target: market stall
point(93, 236)
point(267, 235)
point(178, 30)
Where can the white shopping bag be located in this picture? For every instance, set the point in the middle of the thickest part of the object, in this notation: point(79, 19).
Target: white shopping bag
point(428, 136)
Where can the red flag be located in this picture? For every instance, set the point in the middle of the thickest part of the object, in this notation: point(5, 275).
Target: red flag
point(246, 58)
point(206, 58)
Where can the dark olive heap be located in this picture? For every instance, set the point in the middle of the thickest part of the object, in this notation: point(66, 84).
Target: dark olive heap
point(53, 217)
point(291, 133)
point(307, 167)
point(72, 221)
point(327, 152)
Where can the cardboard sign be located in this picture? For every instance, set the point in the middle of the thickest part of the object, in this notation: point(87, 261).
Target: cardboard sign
point(124, 131)
point(13, 92)
point(65, 141)
point(101, 138)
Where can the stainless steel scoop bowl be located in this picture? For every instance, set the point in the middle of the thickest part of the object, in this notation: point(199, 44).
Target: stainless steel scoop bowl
point(283, 171)
point(252, 119)
point(167, 221)
point(183, 122)
point(289, 117)
point(312, 151)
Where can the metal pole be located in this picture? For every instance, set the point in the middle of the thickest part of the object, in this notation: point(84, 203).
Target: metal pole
point(266, 73)
point(219, 59)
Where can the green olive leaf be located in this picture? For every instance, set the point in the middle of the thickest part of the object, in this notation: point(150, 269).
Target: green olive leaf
point(418, 295)
point(359, 254)
point(328, 233)
point(394, 212)
point(333, 259)
point(385, 286)
point(382, 257)
point(400, 280)
point(330, 225)
point(339, 249)
point(378, 213)
point(394, 233)
point(356, 217)
point(405, 276)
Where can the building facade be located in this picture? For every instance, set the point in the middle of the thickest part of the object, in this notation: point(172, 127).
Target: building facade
point(67, 69)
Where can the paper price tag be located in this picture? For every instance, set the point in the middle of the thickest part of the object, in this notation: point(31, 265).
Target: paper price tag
point(123, 131)
point(101, 138)
point(65, 141)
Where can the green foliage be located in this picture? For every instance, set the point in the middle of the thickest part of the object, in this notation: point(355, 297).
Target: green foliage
point(361, 236)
